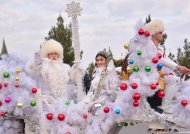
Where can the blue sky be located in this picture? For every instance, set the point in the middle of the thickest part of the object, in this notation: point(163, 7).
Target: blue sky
point(103, 24)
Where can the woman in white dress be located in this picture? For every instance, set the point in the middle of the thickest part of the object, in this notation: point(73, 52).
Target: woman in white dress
point(105, 81)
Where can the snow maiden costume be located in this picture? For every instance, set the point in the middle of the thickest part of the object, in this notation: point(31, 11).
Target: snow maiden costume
point(103, 90)
point(104, 82)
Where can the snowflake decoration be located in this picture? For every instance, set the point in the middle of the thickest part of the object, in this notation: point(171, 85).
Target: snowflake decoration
point(73, 9)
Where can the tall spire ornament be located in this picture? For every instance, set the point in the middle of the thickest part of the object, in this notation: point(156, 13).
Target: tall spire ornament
point(74, 10)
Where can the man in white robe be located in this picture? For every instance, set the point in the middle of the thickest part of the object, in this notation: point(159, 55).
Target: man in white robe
point(156, 29)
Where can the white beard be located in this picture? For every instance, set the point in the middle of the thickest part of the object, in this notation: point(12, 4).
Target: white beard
point(56, 76)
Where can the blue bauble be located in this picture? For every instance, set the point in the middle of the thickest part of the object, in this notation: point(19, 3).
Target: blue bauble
point(117, 111)
point(159, 66)
point(131, 61)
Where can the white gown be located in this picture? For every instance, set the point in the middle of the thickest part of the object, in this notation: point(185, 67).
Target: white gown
point(104, 83)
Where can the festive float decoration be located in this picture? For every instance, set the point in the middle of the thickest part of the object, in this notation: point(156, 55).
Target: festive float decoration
point(21, 99)
point(18, 105)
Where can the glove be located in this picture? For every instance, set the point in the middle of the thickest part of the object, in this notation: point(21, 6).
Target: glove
point(37, 58)
point(76, 64)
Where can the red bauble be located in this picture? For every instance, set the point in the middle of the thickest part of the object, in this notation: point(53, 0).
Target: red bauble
point(1, 103)
point(123, 86)
point(49, 116)
point(61, 117)
point(2, 114)
point(6, 84)
point(140, 31)
point(171, 74)
point(184, 103)
point(134, 85)
point(161, 93)
point(159, 55)
point(90, 110)
point(147, 33)
point(34, 90)
point(1, 86)
point(153, 86)
point(136, 96)
point(155, 60)
point(68, 132)
point(136, 103)
point(106, 109)
point(17, 85)
point(84, 116)
point(157, 83)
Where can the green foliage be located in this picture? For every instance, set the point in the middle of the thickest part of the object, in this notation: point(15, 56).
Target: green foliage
point(148, 19)
point(63, 34)
point(118, 62)
point(171, 56)
point(4, 48)
point(183, 56)
point(90, 70)
point(110, 54)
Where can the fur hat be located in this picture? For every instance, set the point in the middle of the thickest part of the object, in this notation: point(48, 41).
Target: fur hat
point(155, 26)
point(103, 54)
point(51, 46)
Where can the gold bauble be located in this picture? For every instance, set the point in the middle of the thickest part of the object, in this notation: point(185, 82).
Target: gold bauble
point(126, 46)
point(129, 70)
point(17, 71)
point(17, 78)
point(19, 105)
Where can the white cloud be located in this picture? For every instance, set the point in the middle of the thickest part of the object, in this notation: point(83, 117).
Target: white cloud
point(103, 23)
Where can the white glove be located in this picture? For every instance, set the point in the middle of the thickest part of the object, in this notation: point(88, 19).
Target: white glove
point(76, 64)
point(37, 58)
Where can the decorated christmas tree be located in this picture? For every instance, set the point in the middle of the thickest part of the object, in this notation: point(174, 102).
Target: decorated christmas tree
point(18, 95)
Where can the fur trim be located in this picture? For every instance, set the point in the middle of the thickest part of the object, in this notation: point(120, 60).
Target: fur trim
point(52, 46)
point(155, 26)
point(118, 69)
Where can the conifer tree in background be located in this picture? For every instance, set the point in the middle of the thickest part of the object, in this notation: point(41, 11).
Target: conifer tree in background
point(110, 54)
point(148, 19)
point(88, 76)
point(183, 56)
point(4, 48)
point(90, 70)
point(62, 34)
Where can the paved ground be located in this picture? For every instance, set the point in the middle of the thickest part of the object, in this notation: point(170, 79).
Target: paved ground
point(142, 129)
point(136, 129)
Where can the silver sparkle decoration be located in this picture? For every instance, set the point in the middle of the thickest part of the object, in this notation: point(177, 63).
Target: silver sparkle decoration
point(73, 9)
